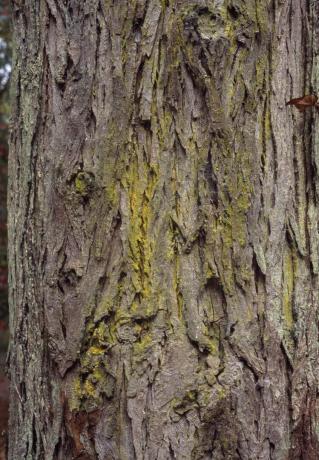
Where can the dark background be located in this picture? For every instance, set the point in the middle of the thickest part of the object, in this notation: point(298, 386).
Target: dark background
point(5, 68)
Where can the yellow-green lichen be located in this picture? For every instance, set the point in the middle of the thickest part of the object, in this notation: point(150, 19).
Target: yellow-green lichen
point(83, 183)
point(96, 351)
point(143, 345)
point(140, 182)
point(261, 71)
point(89, 389)
point(94, 380)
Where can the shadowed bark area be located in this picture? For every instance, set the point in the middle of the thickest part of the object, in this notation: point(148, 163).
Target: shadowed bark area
point(163, 231)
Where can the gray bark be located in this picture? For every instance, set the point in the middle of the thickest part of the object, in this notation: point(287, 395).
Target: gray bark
point(163, 231)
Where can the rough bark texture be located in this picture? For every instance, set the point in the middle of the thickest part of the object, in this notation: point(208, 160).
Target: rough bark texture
point(164, 250)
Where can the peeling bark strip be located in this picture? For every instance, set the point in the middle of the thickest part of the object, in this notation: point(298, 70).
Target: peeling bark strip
point(163, 230)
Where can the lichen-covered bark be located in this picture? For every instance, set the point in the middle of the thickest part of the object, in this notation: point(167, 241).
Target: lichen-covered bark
point(164, 231)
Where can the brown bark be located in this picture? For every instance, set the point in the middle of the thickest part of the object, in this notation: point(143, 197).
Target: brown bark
point(163, 231)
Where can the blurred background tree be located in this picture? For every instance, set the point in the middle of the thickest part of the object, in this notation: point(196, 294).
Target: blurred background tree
point(5, 69)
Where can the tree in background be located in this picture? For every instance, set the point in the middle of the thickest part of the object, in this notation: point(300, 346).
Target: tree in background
point(163, 231)
point(5, 69)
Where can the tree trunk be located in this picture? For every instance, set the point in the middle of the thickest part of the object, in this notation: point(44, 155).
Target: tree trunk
point(163, 230)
